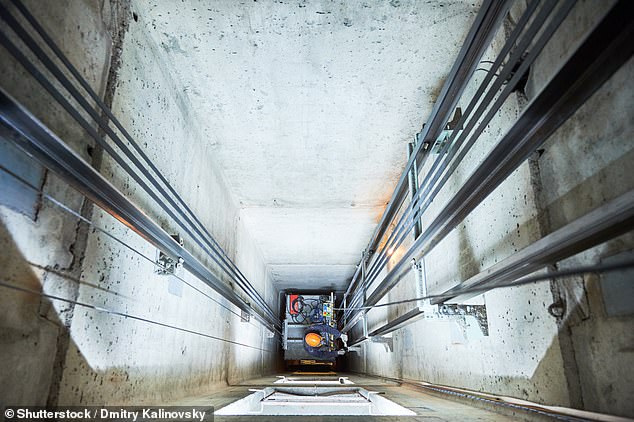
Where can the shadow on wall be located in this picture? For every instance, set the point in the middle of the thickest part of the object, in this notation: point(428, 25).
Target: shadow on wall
point(32, 333)
point(583, 361)
point(28, 339)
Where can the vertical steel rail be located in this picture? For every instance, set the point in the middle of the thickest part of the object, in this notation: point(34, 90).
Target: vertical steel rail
point(477, 41)
point(38, 141)
point(600, 55)
point(486, 23)
point(218, 255)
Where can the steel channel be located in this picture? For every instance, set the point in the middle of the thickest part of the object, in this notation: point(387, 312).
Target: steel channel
point(397, 323)
point(504, 74)
point(405, 222)
point(354, 278)
point(422, 189)
point(601, 54)
point(412, 182)
point(488, 19)
point(605, 222)
point(58, 53)
point(533, 54)
point(51, 44)
point(248, 288)
point(365, 281)
point(484, 27)
point(230, 266)
point(52, 152)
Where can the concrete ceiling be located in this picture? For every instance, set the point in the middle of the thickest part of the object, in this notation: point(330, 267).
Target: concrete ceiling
point(308, 106)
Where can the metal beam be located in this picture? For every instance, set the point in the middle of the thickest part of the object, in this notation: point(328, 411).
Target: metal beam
point(38, 141)
point(407, 318)
point(179, 211)
point(518, 57)
point(612, 219)
point(609, 220)
point(485, 25)
point(601, 54)
point(477, 41)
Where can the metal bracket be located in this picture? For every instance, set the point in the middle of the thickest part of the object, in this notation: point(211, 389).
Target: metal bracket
point(244, 316)
point(447, 131)
point(479, 312)
point(355, 349)
point(387, 342)
point(166, 264)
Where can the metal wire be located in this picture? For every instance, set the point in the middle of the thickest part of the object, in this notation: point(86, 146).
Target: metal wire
point(450, 148)
point(557, 276)
point(218, 255)
point(417, 207)
point(4, 283)
point(74, 213)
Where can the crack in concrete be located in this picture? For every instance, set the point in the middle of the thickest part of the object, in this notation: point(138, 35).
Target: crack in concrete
point(119, 18)
point(564, 336)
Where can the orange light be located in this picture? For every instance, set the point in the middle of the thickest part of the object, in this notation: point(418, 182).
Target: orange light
point(313, 339)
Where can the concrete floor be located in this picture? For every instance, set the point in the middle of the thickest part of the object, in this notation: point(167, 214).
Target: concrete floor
point(428, 407)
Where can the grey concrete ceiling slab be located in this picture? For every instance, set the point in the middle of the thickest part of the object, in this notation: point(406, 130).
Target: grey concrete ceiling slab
point(308, 106)
point(330, 277)
point(309, 235)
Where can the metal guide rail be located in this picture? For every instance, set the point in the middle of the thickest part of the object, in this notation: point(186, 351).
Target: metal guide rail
point(39, 55)
point(599, 55)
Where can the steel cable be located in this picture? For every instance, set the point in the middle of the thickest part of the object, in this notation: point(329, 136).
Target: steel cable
point(74, 213)
point(4, 283)
point(218, 257)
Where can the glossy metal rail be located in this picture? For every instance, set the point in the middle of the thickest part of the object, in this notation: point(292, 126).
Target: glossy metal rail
point(605, 222)
point(36, 140)
point(602, 53)
point(522, 56)
point(417, 206)
point(477, 41)
point(157, 187)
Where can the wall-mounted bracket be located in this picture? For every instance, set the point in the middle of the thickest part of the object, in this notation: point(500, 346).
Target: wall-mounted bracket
point(387, 342)
point(447, 131)
point(244, 316)
point(479, 312)
point(166, 264)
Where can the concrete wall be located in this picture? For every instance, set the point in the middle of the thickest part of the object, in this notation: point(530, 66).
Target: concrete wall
point(583, 359)
point(32, 335)
point(586, 163)
point(67, 354)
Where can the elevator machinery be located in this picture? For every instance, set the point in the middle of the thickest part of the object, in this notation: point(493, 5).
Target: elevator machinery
point(302, 311)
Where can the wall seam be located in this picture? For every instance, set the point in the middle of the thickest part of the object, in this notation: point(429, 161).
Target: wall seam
point(119, 15)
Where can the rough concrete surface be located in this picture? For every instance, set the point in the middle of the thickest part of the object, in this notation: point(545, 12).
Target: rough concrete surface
point(32, 352)
point(284, 126)
point(308, 108)
point(529, 353)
